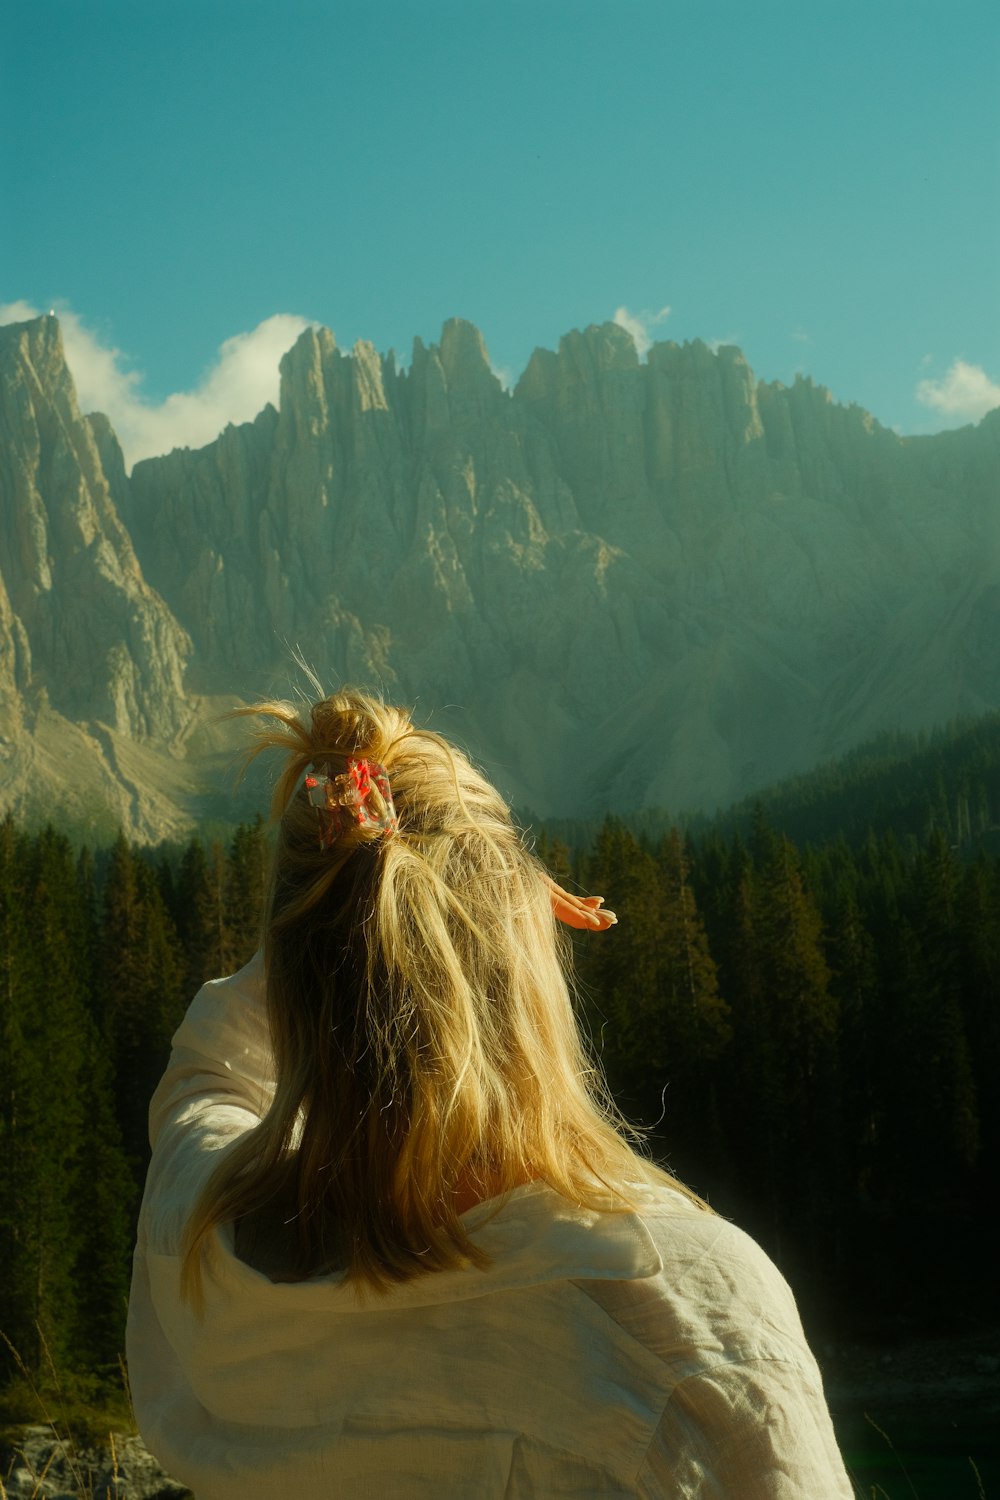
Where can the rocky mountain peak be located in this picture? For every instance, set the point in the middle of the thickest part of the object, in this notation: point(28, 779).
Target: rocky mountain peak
point(39, 344)
point(636, 581)
point(599, 347)
point(464, 357)
point(303, 391)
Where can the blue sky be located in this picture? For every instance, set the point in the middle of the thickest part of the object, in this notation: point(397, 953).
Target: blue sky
point(819, 183)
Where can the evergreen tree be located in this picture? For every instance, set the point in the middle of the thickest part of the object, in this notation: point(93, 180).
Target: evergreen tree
point(690, 1015)
point(55, 1164)
point(697, 1016)
point(139, 976)
point(752, 1098)
point(557, 857)
point(944, 1063)
point(245, 883)
point(864, 1049)
point(655, 981)
point(978, 936)
point(209, 944)
point(621, 970)
point(89, 909)
point(795, 1050)
point(59, 1031)
point(103, 1202)
point(20, 1081)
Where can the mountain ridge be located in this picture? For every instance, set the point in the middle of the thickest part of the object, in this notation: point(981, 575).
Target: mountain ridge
point(640, 582)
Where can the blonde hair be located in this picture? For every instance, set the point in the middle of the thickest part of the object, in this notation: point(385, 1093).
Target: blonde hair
point(421, 1021)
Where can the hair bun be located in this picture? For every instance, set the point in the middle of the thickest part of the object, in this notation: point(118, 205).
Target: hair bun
point(341, 727)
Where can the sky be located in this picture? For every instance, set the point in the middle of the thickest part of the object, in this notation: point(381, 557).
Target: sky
point(189, 185)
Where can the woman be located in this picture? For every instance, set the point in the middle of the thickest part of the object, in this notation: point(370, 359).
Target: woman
point(395, 1240)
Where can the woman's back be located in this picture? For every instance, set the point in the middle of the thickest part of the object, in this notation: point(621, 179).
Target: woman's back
point(656, 1353)
point(313, 1313)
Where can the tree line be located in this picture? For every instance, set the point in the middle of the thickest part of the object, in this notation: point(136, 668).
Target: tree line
point(814, 1038)
point(811, 1034)
point(99, 957)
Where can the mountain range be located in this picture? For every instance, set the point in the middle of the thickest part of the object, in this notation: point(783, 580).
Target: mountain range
point(622, 584)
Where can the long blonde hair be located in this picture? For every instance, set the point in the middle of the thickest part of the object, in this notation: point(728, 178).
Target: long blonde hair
point(421, 1021)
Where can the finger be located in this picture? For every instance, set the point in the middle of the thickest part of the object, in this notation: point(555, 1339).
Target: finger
point(586, 919)
point(571, 912)
point(581, 912)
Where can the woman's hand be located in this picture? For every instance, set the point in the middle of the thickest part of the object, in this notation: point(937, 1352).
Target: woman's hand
point(585, 912)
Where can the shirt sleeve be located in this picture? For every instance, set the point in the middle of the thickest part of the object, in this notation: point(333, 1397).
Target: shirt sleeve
point(219, 1083)
point(758, 1430)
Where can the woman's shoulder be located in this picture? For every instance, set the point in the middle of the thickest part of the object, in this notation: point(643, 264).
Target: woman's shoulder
point(227, 1012)
point(708, 1244)
point(722, 1324)
point(717, 1290)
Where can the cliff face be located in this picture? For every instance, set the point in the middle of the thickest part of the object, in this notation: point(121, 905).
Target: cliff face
point(621, 584)
point(84, 622)
point(89, 653)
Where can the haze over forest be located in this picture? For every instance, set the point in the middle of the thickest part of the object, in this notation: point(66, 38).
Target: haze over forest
point(623, 584)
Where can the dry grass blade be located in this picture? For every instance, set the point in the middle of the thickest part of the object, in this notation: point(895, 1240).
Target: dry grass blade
point(114, 1468)
point(37, 1480)
point(892, 1448)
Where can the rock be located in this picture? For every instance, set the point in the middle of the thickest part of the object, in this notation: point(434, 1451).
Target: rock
point(38, 1465)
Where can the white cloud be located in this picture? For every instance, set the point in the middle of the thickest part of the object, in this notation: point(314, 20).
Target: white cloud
point(236, 386)
point(966, 392)
point(639, 325)
point(17, 312)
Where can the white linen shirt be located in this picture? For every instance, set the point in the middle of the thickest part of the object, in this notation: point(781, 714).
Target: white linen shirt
point(653, 1354)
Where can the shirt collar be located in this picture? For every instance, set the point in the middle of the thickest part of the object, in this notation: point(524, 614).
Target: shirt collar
point(535, 1236)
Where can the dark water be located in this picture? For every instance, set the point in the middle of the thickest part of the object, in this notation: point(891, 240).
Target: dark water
point(927, 1454)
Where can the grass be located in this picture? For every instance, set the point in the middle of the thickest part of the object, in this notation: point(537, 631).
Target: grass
point(81, 1413)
